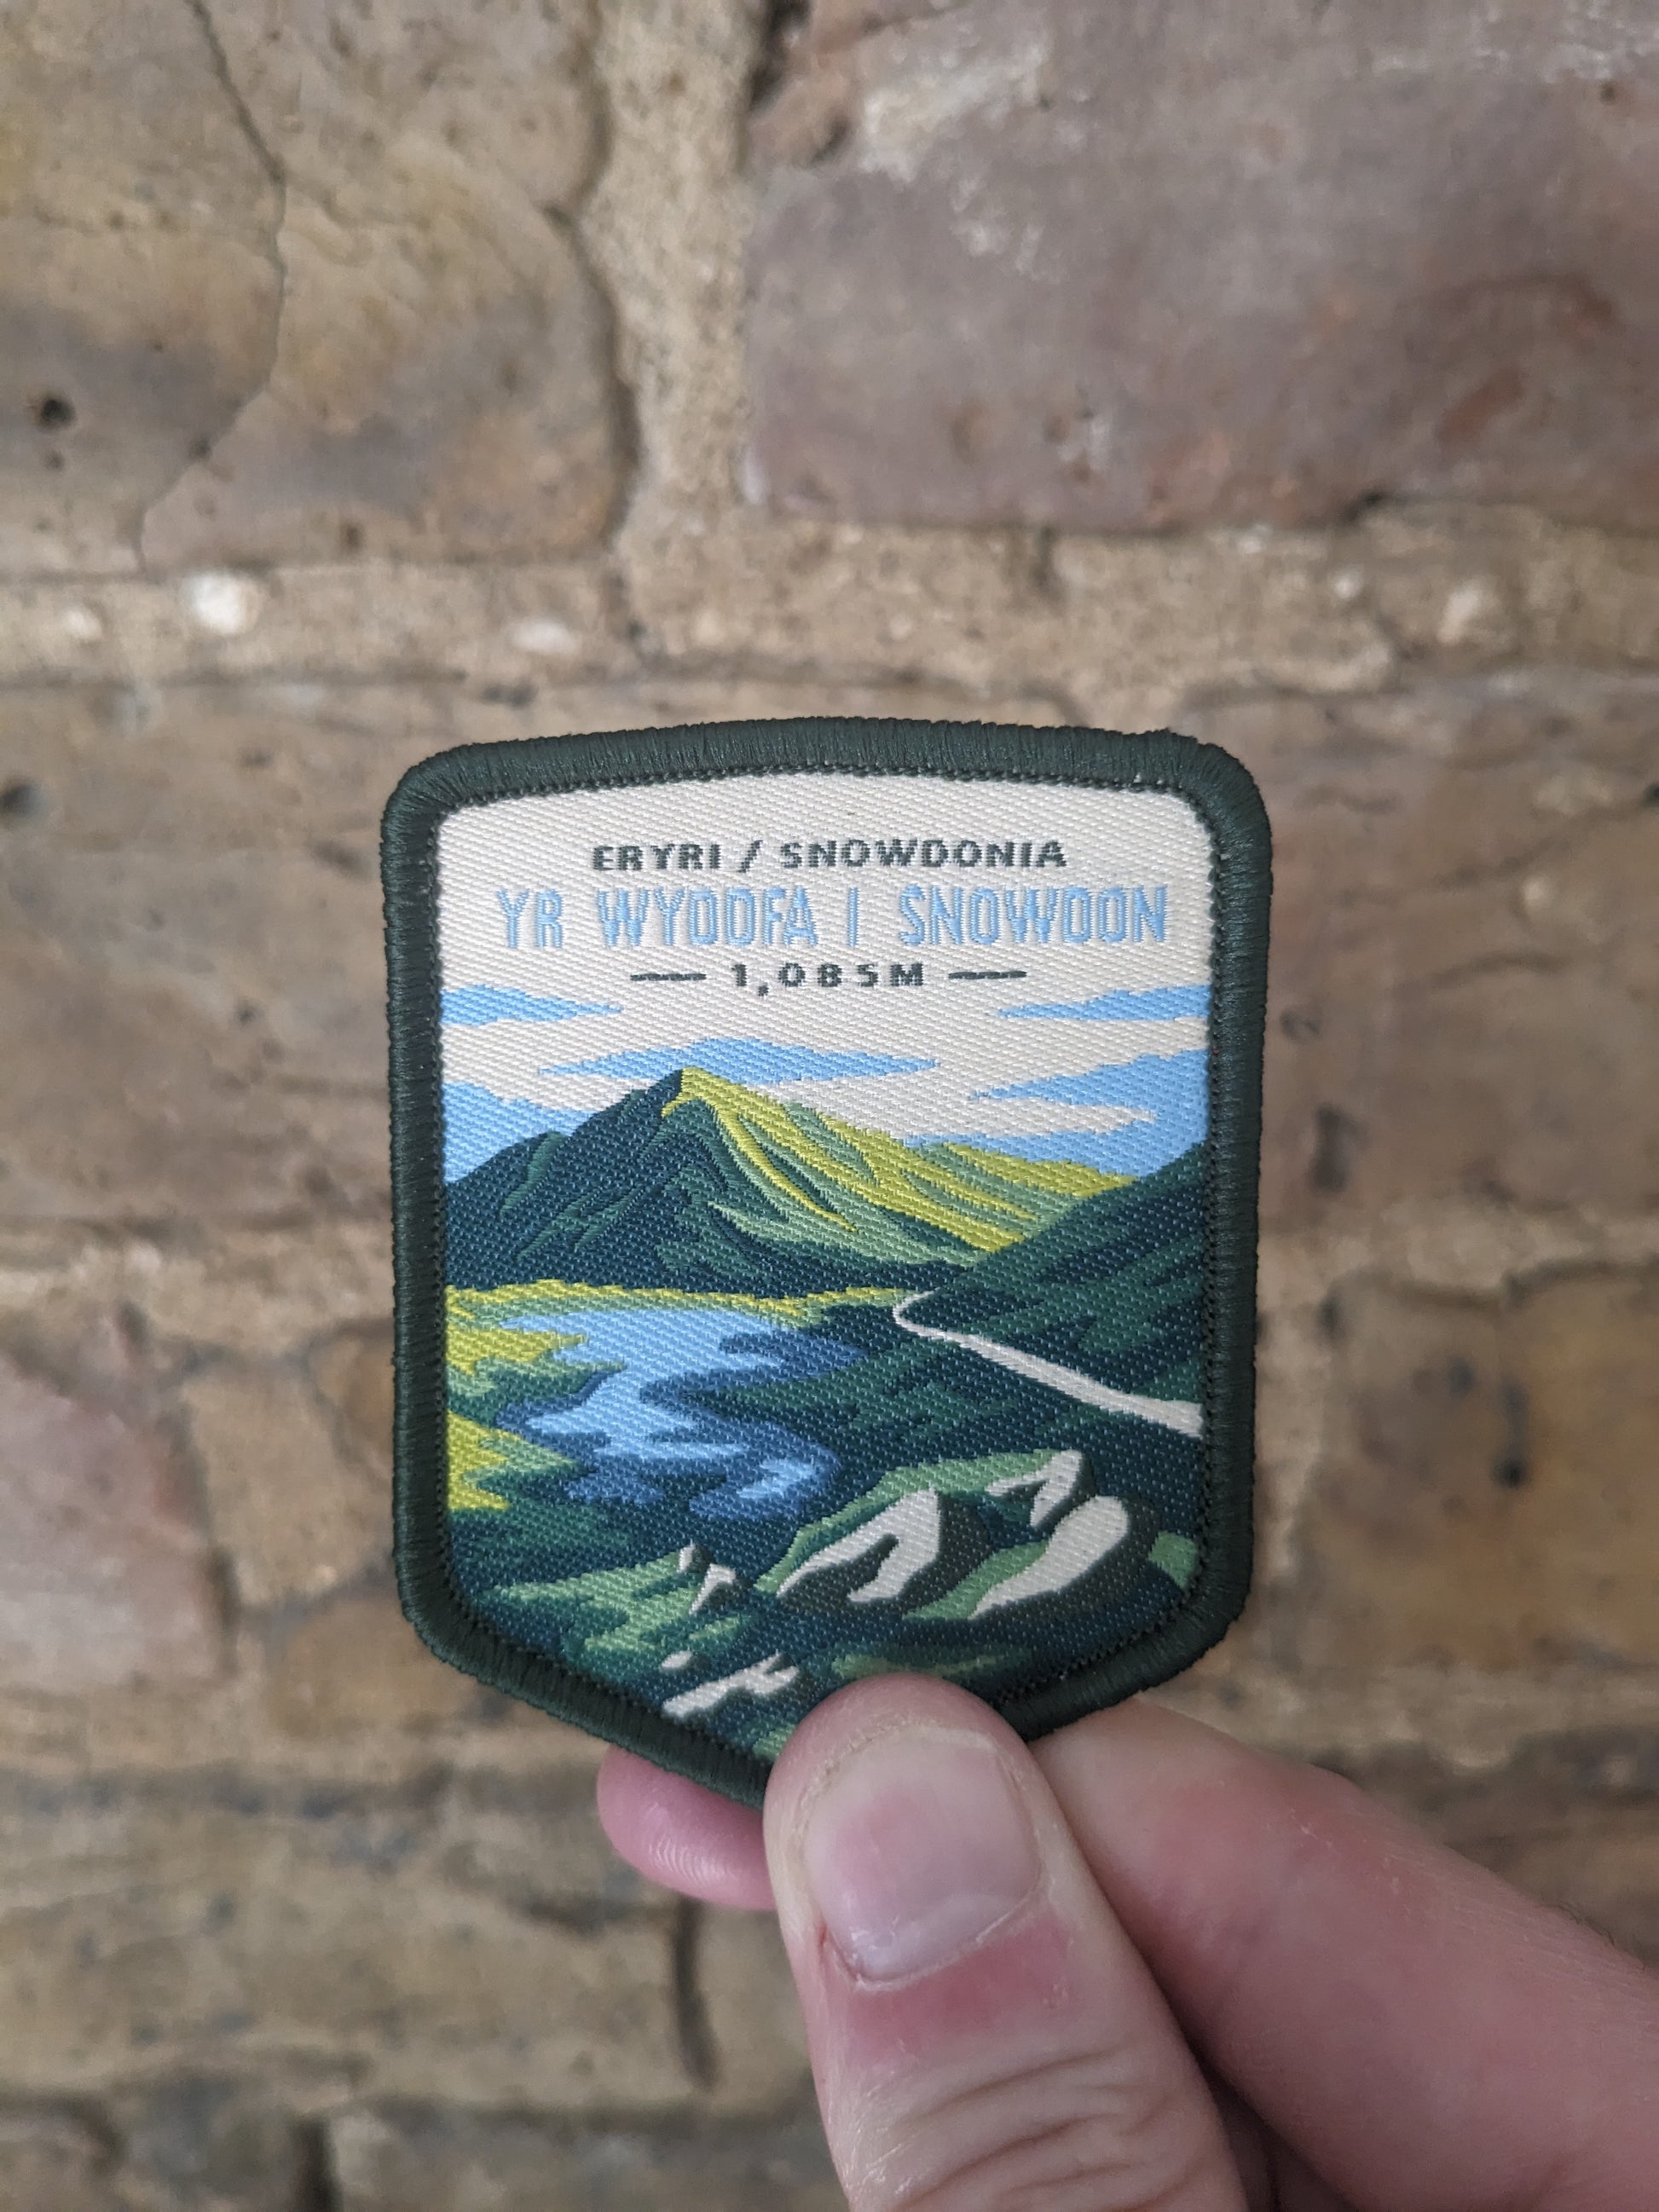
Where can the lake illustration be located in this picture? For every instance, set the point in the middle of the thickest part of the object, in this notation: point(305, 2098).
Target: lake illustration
point(646, 1433)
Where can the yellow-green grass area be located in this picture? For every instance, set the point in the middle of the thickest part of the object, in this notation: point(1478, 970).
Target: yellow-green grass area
point(470, 1343)
point(859, 1181)
point(492, 1367)
point(478, 1454)
point(491, 1364)
point(482, 1309)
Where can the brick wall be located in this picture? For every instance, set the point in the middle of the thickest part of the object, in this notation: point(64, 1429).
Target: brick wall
point(376, 380)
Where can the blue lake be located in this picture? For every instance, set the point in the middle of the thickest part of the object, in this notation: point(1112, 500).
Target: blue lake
point(641, 1439)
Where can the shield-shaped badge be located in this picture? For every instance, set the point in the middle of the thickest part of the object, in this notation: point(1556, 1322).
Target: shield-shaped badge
point(824, 1172)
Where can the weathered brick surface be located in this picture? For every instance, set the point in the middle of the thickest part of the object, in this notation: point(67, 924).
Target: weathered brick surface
point(1464, 985)
point(352, 1373)
point(1030, 261)
point(434, 1941)
point(358, 619)
point(105, 1573)
point(191, 918)
point(204, 2144)
point(1124, 631)
point(194, 2146)
point(52, 2161)
point(294, 1512)
point(409, 352)
point(1487, 1495)
point(408, 2160)
point(756, 2049)
point(353, 1667)
point(137, 324)
point(338, 308)
point(439, 380)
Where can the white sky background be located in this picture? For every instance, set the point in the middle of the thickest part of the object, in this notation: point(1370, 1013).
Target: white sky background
point(1109, 838)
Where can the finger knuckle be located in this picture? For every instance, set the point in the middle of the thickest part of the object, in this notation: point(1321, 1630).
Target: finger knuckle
point(1079, 2134)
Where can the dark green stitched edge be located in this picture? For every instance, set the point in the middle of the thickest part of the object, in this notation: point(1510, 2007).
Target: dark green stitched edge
point(470, 775)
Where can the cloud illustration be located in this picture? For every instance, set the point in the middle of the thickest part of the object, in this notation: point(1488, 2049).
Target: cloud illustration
point(742, 1059)
point(1176, 1002)
point(478, 1003)
point(1169, 1099)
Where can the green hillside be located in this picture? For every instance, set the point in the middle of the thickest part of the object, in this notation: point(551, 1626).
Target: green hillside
point(1112, 1288)
point(700, 1184)
point(645, 1624)
point(602, 1507)
point(1138, 1330)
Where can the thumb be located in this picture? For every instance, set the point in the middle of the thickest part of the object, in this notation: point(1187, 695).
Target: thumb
point(982, 2031)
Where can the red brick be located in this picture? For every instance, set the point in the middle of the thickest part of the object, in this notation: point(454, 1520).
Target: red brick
point(1488, 1499)
point(1026, 261)
point(1464, 979)
point(104, 1575)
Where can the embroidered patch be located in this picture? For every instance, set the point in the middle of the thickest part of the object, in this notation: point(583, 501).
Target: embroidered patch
point(824, 1161)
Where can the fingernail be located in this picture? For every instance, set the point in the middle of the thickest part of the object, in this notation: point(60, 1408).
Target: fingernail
point(915, 1848)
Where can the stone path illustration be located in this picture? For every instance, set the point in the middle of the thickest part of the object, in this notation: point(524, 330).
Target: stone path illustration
point(1167, 1413)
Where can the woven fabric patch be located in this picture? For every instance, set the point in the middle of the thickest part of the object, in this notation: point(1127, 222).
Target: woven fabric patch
point(824, 1170)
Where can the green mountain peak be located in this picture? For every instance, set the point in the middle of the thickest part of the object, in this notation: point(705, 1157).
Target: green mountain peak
point(696, 1182)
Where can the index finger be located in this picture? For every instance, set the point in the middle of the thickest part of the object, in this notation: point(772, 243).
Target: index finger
point(1427, 2038)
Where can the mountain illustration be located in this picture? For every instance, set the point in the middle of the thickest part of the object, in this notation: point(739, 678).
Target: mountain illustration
point(697, 1183)
point(1112, 1290)
point(1144, 1242)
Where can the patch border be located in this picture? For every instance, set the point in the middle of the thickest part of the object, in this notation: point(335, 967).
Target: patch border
point(1226, 799)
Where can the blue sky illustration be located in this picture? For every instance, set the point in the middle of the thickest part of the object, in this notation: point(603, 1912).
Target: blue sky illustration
point(741, 1060)
point(1171, 1094)
point(475, 1004)
point(1176, 1002)
point(477, 1123)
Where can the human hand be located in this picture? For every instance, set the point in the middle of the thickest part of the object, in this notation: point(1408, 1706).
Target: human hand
point(1138, 1965)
